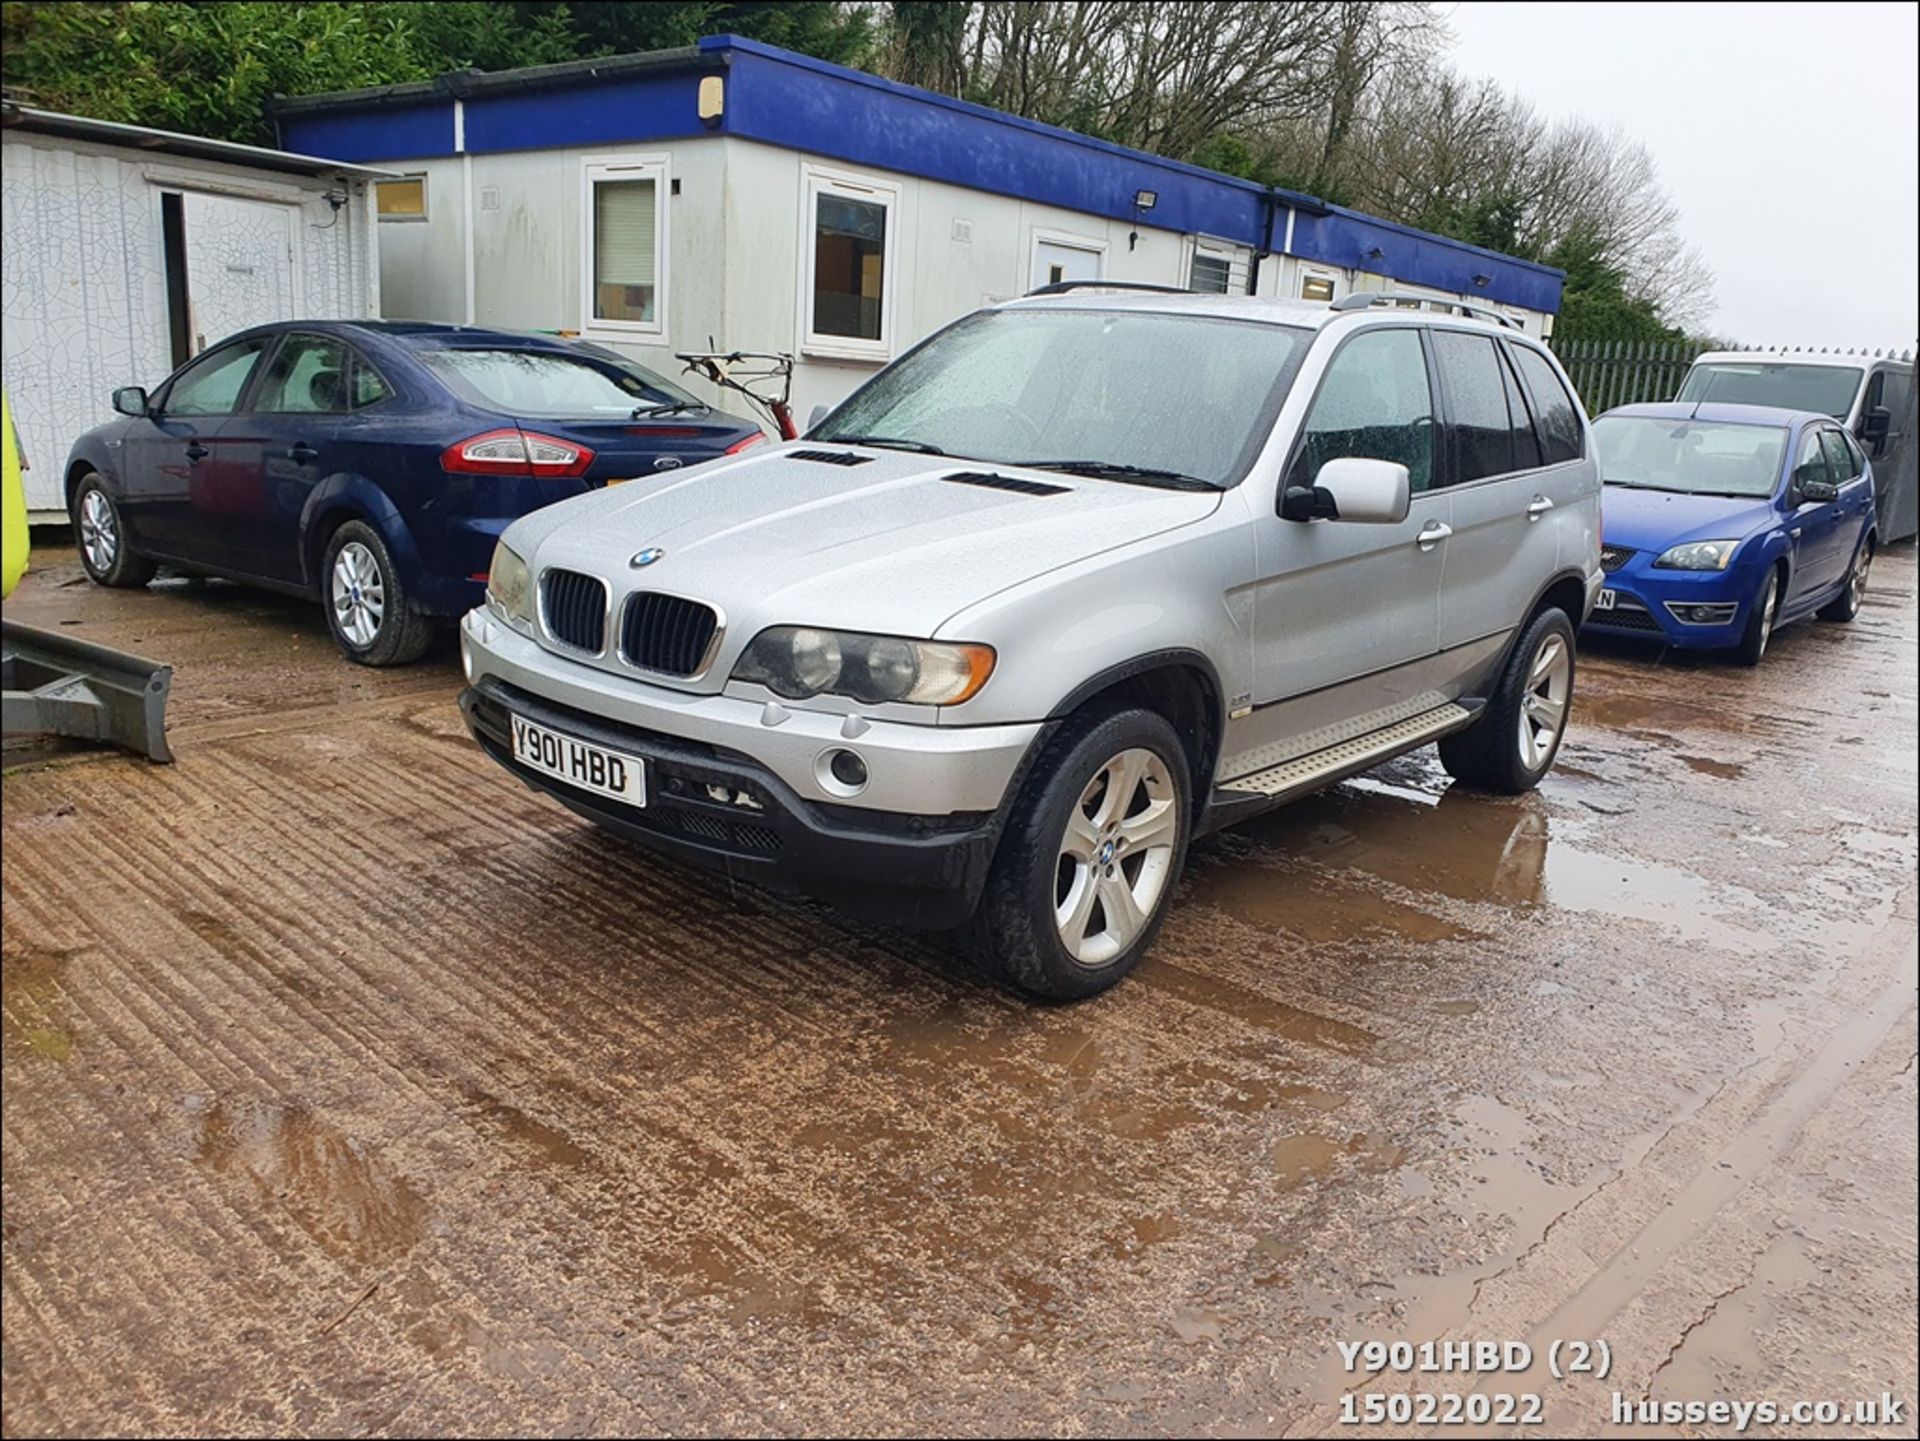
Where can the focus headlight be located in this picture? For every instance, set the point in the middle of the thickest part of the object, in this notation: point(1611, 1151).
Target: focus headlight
point(800, 662)
point(510, 587)
point(1699, 555)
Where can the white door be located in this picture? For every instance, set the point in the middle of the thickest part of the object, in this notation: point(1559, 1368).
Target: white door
point(1058, 260)
point(239, 264)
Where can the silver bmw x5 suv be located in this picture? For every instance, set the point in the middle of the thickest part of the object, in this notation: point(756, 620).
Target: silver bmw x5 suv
point(1078, 579)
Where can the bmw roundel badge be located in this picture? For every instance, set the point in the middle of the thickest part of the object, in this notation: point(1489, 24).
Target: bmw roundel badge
point(644, 558)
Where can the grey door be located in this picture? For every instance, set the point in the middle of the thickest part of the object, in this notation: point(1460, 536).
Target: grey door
point(1339, 601)
point(1505, 536)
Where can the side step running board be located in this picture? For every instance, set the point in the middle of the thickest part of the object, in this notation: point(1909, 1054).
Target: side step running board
point(56, 685)
point(1336, 762)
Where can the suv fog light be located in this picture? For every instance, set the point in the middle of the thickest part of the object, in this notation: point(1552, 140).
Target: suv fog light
point(841, 773)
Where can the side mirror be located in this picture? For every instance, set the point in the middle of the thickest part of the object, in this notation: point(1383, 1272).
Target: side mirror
point(130, 400)
point(1818, 492)
point(1875, 425)
point(818, 414)
point(1371, 492)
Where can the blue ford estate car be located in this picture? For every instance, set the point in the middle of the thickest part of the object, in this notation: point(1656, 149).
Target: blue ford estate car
point(370, 464)
point(1721, 523)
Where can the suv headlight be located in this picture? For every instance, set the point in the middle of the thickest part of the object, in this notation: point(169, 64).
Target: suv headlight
point(800, 662)
point(1698, 555)
point(510, 588)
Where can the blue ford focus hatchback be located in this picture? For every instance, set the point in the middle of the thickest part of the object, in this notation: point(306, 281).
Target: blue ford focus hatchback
point(1721, 523)
point(370, 464)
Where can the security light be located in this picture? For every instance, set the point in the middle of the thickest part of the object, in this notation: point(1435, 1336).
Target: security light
point(1145, 199)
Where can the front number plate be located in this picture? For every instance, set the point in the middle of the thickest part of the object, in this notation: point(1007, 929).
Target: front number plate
point(587, 767)
point(1605, 600)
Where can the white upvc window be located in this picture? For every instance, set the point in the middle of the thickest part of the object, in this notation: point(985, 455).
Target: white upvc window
point(848, 276)
point(1214, 267)
point(623, 244)
point(1318, 284)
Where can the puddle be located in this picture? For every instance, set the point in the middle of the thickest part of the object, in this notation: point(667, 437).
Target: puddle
point(1577, 879)
point(1313, 909)
point(548, 1145)
point(1253, 1009)
point(331, 1186)
point(1299, 1159)
point(1723, 770)
point(1464, 846)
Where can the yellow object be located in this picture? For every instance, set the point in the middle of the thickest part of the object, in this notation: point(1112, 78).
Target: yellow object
point(13, 518)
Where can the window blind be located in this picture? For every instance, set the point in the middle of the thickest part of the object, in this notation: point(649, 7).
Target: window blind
point(623, 232)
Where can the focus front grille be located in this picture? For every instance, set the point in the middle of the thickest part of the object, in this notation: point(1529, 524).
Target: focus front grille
point(667, 634)
point(575, 606)
point(1628, 615)
point(1612, 557)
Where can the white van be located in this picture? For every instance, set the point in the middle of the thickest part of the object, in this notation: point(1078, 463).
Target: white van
point(1871, 395)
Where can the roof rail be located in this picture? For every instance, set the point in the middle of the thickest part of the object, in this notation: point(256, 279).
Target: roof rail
point(1063, 287)
point(1367, 299)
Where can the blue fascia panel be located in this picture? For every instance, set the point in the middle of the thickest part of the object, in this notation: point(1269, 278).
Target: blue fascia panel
point(803, 104)
point(1347, 238)
point(390, 132)
point(658, 106)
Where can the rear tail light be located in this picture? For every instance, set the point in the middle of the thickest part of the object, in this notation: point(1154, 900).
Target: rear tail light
point(757, 438)
point(516, 452)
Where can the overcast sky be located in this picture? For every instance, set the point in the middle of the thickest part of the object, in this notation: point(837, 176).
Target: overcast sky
point(1785, 133)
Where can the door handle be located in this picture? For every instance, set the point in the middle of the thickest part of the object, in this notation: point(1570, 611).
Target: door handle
point(301, 452)
point(1795, 532)
point(1435, 532)
point(196, 451)
point(1539, 506)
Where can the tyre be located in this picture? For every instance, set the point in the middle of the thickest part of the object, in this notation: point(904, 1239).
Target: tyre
point(102, 538)
point(1512, 746)
point(1087, 866)
point(372, 621)
point(1846, 605)
point(1760, 620)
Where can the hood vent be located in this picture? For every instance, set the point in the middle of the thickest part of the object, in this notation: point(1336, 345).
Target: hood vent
point(989, 481)
point(829, 457)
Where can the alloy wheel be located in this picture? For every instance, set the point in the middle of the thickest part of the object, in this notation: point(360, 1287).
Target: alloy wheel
point(1543, 705)
point(359, 594)
point(99, 533)
point(1857, 582)
point(1769, 610)
point(1116, 857)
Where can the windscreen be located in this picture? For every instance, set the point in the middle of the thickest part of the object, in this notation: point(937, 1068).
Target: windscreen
point(552, 383)
point(1192, 396)
point(1694, 457)
point(1825, 389)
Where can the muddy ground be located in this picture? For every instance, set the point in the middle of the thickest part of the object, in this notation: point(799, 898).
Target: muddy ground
point(350, 1087)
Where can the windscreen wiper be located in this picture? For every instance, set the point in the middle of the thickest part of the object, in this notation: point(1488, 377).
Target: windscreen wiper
point(885, 442)
point(671, 407)
point(1114, 470)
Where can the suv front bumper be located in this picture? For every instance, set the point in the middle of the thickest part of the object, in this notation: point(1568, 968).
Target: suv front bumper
point(919, 860)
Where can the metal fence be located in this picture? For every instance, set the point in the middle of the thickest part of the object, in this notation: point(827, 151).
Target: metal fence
point(1606, 373)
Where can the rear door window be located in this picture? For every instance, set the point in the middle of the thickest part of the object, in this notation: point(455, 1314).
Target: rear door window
point(307, 376)
point(1557, 419)
point(1478, 420)
point(1526, 439)
point(1377, 403)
